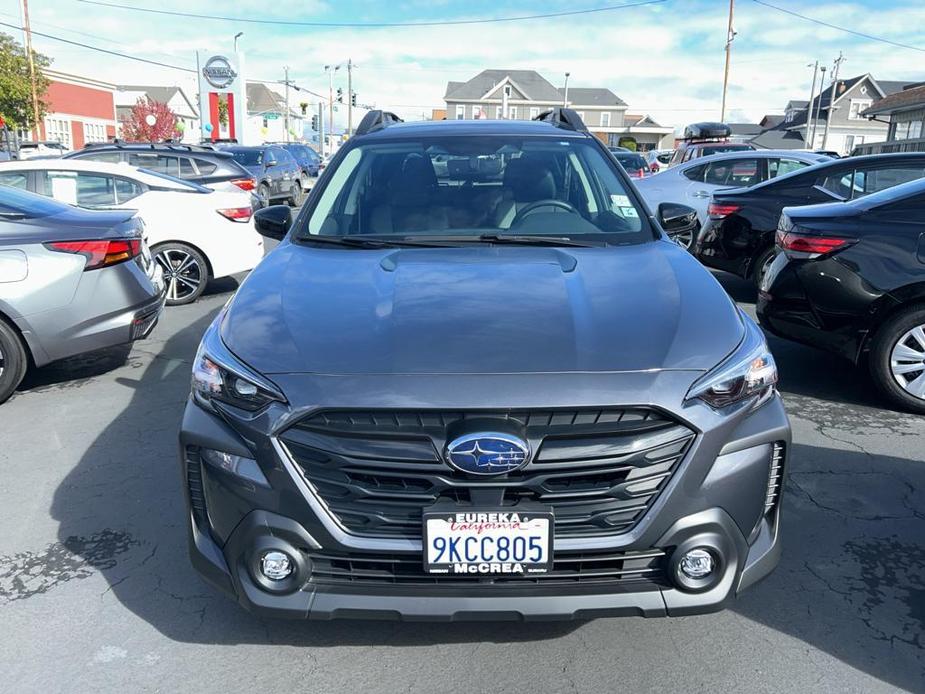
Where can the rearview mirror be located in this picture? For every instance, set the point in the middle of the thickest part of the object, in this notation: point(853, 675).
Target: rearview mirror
point(674, 217)
point(273, 222)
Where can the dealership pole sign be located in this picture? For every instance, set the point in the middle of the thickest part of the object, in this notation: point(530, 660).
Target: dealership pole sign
point(222, 97)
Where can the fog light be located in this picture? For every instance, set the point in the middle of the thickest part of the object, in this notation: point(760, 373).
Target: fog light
point(275, 565)
point(697, 563)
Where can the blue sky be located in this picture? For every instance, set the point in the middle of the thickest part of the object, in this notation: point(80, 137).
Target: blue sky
point(664, 59)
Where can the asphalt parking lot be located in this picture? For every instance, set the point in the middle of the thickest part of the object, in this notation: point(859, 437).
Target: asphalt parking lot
point(96, 593)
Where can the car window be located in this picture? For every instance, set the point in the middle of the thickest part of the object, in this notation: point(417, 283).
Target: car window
point(161, 163)
point(779, 167)
point(877, 179)
point(109, 157)
point(270, 156)
point(631, 161)
point(734, 172)
point(838, 183)
point(127, 190)
point(15, 179)
point(248, 157)
point(187, 168)
point(79, 188)
point(695, 173)
point(206, 167)
point(472, 185)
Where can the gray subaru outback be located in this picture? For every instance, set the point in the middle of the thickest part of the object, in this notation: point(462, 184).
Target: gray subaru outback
point(490, 388)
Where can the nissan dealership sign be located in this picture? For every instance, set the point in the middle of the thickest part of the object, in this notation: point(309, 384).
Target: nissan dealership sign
point(222, 98)
point(219, 72)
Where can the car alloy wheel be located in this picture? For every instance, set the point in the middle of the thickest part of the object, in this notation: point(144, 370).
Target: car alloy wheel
point(907, 362)
point(685, 239)
point(263, 194)
point(185, 273)
point(762, 265)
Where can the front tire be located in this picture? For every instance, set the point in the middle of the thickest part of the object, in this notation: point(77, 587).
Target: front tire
point(761, 265)
point(295, 196)
point(263, 195)
point(13, 361)
point(185, 272)
point(897, 359)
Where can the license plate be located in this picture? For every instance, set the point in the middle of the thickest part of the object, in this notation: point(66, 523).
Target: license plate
point(488, 542)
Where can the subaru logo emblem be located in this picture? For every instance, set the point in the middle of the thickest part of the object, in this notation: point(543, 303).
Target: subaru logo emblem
point(487, 453)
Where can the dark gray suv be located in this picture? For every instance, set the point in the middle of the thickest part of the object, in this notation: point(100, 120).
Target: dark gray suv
point(489, 389)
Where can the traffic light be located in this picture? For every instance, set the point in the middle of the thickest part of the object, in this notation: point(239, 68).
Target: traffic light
point(340, 95)
point(353, 99)
point(315, 123)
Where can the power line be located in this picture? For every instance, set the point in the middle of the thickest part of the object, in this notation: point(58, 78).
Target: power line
point(372, 25)
point(835, 26)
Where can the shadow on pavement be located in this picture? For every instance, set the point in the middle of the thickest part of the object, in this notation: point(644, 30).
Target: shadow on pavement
point(851, 581)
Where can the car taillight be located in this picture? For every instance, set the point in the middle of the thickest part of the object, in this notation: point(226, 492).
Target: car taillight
point(99, 253)
point(718, 210)
point(236, 214)
point(797, 245)
point(245, 183)
point(653, 168)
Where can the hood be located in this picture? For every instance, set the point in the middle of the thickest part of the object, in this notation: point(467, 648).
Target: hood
point(480, 309)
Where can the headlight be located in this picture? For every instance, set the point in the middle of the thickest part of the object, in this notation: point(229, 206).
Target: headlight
point(219, 375)
point(750, 371)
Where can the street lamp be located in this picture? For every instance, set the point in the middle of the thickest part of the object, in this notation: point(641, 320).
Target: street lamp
point(331, 69)
point(236, 37)
point(565, 97)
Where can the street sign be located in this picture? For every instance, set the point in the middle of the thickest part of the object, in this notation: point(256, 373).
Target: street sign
point(271, 116)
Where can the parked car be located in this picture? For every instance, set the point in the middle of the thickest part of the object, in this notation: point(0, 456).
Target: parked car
point(658, 159)
point(634, 164)
point(849, 278)
point(693, 182)
point(196, 233)
point(706, 139)
point(308, 161)
point(201, 164)
point(739, 234)
point(277, 173)
point(71, 281)
point(44, 149)
point(436, 400)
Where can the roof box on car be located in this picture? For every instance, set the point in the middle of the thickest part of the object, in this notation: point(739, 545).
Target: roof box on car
point(704, 131)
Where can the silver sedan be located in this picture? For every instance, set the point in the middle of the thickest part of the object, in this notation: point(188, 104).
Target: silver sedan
point(71, 281)
point(694, 182)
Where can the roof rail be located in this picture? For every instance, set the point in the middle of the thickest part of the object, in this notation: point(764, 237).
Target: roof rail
point(376, 120)
point(166, 144)
point(565, 118)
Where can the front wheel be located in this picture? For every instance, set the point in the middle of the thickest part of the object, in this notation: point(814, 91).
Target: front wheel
point(295, 195)
point(263, 195)
point(762, 264)
point(185, 272)
point(897, 359)
point(12, 361)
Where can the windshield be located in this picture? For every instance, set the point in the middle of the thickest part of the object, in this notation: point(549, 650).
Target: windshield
point(457, 187)
point(247, 157)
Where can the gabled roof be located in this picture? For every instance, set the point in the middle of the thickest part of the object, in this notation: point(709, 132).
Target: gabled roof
point(824, 99)
point(262, 99)
point(530, 83)
point(778, 137)
point(161, 94)
point(796, 104)
point(770, 121)
point(904, 100)
point(591, 96)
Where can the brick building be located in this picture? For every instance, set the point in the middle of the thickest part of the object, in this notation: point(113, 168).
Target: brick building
point(80, 110)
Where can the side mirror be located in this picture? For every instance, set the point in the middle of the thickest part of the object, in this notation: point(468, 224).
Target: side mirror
point(273, 222)
point(270, 163)
point(675, 218)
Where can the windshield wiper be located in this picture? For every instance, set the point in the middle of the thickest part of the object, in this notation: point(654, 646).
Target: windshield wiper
point(359, 242)
point(528, 240)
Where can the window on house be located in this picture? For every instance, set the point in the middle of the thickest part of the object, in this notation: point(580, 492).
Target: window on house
point(789, 116)
point(94, 132)
point(857, 107)
point(605, 119)
point(507, 90)
point(534, 112)
point(902, 130)
point(498, 112)
point(512, 113)
point(915, 129)
point(852, 141)
point(58, 130)
point(460, 112)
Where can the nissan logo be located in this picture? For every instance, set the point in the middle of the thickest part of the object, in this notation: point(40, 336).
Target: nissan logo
point(218, 72)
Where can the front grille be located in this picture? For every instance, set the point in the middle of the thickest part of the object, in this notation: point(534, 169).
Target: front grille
point(598, 469)
point(568, 569)
point(775, 476)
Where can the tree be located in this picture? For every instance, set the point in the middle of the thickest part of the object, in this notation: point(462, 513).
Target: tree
point(15, 87)
point(135, 126)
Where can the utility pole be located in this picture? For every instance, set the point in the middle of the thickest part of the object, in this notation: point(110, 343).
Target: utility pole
point(331, 69)
point(349, 97)
point(321, 126)
point(822, 69)
point(828, 114)
point(565, 96)
point(286, 116)
point(27, 41)
point(809, 106)
point(730, 37)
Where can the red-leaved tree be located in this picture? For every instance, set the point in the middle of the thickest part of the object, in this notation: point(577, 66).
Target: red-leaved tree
point(135, 126)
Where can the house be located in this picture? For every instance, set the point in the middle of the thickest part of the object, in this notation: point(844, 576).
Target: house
point(266, 110)
point(438, 114)
point(842, 105)
point(524, 94)
point(175, 98)
point(80, 110)
point(905, 112)
point(743, 132)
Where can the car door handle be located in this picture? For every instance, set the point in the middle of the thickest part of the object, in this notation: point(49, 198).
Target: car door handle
point(701, 194)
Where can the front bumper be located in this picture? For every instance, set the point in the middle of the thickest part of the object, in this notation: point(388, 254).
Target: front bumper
point(716, 498)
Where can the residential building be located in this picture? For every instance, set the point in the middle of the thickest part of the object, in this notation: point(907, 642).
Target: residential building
point(175, 98)
point(842, 106)
point(266, 109)
point(525, 94)
point(743, 132)
point(80, 110)
point(905, 112)
point(438, 114)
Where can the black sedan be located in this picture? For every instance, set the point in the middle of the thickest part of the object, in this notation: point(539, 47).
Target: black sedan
point(850, 278)
point(739, 234)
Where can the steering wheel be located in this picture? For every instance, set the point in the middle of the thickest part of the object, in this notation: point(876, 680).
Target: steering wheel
point(537, 204)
